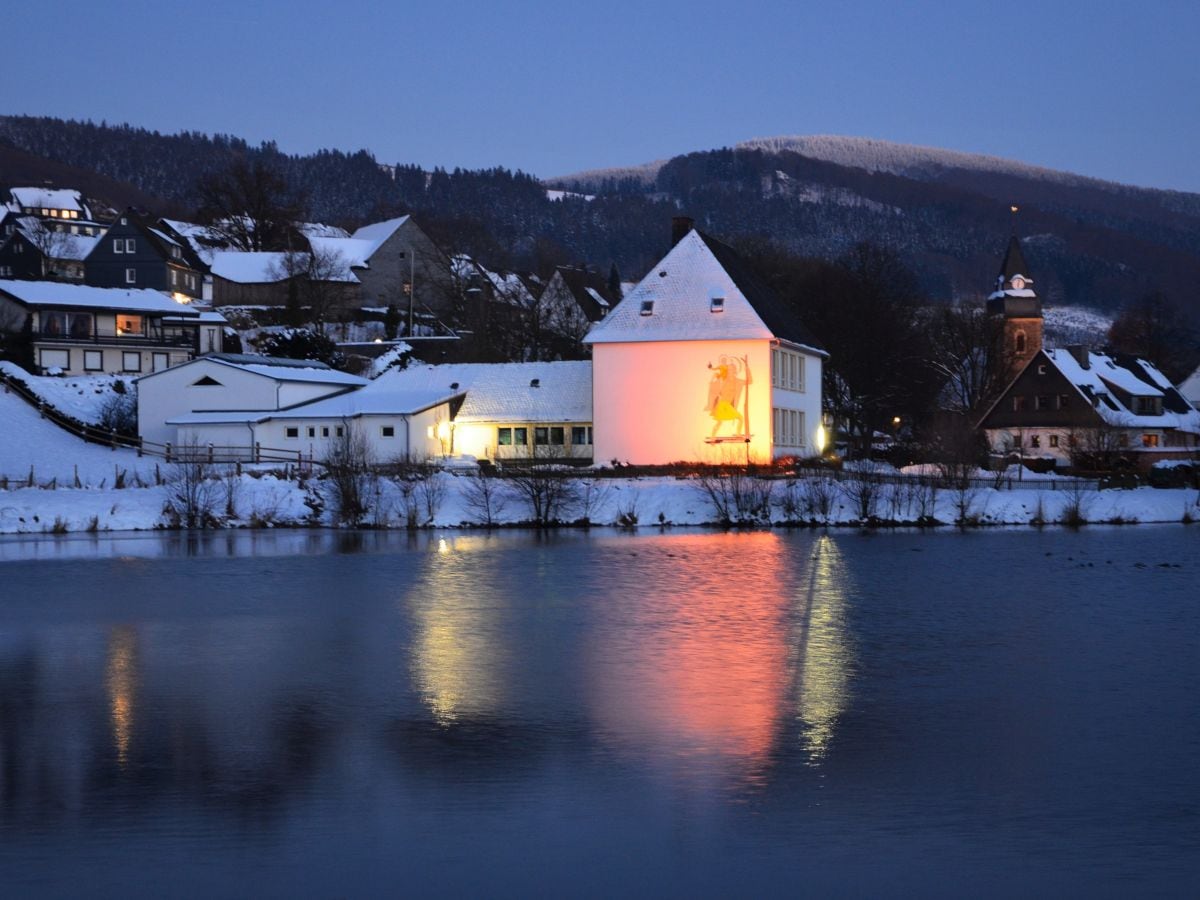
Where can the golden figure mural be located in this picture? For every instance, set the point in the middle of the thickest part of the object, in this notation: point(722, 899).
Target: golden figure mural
point(729, 389)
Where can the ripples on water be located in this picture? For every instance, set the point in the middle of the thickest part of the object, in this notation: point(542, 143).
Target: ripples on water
point(700, 713)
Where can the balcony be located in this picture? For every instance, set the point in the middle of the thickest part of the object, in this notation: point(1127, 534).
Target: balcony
point(153, 339)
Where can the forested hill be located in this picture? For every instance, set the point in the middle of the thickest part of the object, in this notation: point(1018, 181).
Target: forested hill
point(1088, 242)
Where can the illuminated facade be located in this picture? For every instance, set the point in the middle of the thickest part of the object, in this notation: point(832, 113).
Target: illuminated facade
point(702, 362)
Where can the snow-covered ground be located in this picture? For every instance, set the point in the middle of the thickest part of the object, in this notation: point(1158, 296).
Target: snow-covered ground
point(120, 491)
point(79, 396)
point(262, 499)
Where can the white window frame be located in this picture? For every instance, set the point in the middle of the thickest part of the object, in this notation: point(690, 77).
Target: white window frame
point(131, 276)
point(118, 245)
point(93, 360)
point(126, 356)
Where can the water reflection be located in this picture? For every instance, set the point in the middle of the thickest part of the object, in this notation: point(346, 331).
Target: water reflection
point(822, 657)
point(690, 659)
point(120, 680)
point(458, 655)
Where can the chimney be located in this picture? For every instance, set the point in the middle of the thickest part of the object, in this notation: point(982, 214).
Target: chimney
point(680, 226)
point(1081, 355)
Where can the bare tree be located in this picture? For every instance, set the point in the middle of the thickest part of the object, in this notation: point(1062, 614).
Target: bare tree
point(250, 205)
point(318, 281)
point(970, 356)
point(351, 475)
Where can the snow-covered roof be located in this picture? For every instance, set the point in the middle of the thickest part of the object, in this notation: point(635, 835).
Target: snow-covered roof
point(49, 198)
point(503, 392)
point(281, 369)
point(319, 229)
point(674, 302)
point(1191, 388)
point(203, 242)
point(378, 232)
point(1012, 292)
point(367, 402)
point(595, 295)
point(1104, 373)
point(61, 244)
point(354, 252)
point(249, 268)
point(56, 294)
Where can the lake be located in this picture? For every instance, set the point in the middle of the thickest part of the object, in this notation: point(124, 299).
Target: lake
point(315, 713)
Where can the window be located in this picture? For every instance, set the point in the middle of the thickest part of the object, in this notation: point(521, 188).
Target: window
point(788, 427)
point(130, 245)
point(131, 276)
point(174, 277)
point(1147, 406)
point(127, 324)
point(1019, 404)
point(647, 307)
point(1054, 440)
point(541, 436)
point(387, 431)
point(159, 361)
point(312, 431)
point(716, 304)
point(292, 432)
point(787, 370)
point(118, 245)
point(18, 247)
point(581, 435)
point(54, 359)
point(131, 362)
point(324, 431)
point(1035, 441)
point(504, 437)
point(1041, 402)
point(557, 436)
point(1062, 401)
point(1020, 342)
point(1016, 439)
point(520, 437)
point(5, 271)
point(206, 381)
point(1149, 440)
point(340, 431)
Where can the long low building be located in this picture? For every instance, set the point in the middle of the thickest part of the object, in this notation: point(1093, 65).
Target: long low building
point(248, 404)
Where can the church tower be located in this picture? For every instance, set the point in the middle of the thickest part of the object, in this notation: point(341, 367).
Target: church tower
point(1015, 300)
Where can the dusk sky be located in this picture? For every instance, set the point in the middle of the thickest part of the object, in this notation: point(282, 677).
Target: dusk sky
point(1101, 88)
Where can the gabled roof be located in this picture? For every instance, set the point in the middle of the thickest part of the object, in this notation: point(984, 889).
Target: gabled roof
point(50, 198)
point(59, 295)
point(1104, 376)
point(242, 267)
point(502, 392)
point(64, 244)
point(375, 234)
point(278, 368)
point(680, 290)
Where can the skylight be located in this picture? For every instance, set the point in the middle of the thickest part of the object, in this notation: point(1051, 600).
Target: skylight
point(647, 307)
point(717, 304)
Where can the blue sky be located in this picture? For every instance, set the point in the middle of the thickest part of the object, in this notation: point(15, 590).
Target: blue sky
point(1104, 89)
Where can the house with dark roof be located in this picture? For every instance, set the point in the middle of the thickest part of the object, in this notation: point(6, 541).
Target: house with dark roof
point(574, 298)
point(138, 252)
point(702, 361)
point(1092, 410)
point(34, 248)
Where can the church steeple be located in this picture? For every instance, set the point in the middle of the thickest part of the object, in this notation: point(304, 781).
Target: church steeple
point(1015, 300)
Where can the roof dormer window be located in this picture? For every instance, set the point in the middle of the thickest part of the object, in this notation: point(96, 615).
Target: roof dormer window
point(716, 304)
point(647, 307)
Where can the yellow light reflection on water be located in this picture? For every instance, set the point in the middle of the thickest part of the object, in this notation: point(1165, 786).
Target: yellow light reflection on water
point(823, 657)
point(457, 655)
point(120, 681)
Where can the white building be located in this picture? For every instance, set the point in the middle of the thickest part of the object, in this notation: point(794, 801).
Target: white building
point(702, 362)
point(236, 387)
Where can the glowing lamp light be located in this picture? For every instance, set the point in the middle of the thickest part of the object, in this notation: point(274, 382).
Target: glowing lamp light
point(820, 439)
point(443, 431)
point(379, 340)
point(181, 298)
point(896, 421)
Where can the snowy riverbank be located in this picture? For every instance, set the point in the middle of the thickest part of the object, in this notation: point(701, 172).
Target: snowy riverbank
point(447, 500)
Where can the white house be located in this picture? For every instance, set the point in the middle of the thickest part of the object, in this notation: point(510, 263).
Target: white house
point(703, 362)
point(230, 385)
point(510, 410)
